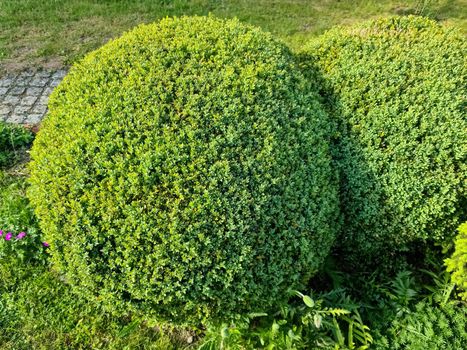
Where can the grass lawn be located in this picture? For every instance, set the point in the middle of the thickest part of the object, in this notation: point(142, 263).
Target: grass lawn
point(53, 33)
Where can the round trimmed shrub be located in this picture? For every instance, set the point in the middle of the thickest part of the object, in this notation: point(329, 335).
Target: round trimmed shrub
point(457, 264)
point(183, 170)
point(396, 89)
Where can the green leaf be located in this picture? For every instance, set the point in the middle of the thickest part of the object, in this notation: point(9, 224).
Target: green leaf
point(128, 329)
point(308, 301)
point(317, 319)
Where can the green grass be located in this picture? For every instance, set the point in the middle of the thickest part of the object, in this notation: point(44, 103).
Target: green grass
point(38, 311)
point(56, 33)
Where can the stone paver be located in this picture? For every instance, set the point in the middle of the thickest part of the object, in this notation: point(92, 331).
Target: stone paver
point(24, 95)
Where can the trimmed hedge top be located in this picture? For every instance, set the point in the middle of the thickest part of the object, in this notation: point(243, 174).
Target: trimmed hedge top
point(396, 87)
point(183, 170)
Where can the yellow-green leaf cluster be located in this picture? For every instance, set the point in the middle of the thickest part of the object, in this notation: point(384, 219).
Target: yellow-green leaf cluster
point(457, 264)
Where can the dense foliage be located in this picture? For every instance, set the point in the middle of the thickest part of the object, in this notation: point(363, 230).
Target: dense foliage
point(414, 309)
point(183, 171)
point(309, 324)
point(395, 87)
point(428, 327)
point(13, 138)
point(457, 264)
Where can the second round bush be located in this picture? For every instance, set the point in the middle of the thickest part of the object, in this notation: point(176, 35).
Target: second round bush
point(395, 88)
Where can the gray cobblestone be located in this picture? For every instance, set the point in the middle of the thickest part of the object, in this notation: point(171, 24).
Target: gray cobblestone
point(21, 109)
point(24, 96)
point(34, 118)
point(47, 91)
point(5, 110)
point(39, 109)
point(43, 100)
point(44, 74)
point(55, 82)
point(11, 100)
point(16, 118)
point(60, 74)
point(26, 74)
point(17, 90)
point(34, 91)
point(38, 81)
point(28, 100)
point(22, 81)
point(6, 82)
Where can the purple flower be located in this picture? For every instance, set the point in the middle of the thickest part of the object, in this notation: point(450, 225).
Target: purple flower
point(8, 236)
point(1, 233)
point(45, 244)
point(21, 235)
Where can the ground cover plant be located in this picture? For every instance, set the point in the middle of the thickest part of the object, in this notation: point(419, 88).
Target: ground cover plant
point(395, 87)
point(415, 309)
point(13, 141)
point(20, 238)
point(221, 117)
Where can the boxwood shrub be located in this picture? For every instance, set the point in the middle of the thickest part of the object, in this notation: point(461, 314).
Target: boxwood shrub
point(396, 89)
point(457, 264)
point(183, 170)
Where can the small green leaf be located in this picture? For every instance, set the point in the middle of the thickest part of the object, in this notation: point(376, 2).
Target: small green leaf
point(308, 301)
point(317, 320)
point(128, 329)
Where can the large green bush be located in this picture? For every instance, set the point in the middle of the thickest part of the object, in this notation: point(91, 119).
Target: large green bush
point(457, 264)
point(183, 170)
point(396, 88)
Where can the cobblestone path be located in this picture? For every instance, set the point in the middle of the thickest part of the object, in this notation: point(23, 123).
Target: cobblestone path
point(24, 96)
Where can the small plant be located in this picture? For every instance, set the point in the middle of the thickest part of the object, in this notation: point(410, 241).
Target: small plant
point(13, 139)
point(401, 292)
point(440, 289)
point(20, 237)
point(417, 311)
point(23, 247)
point(313, 324)
point(427, 326)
